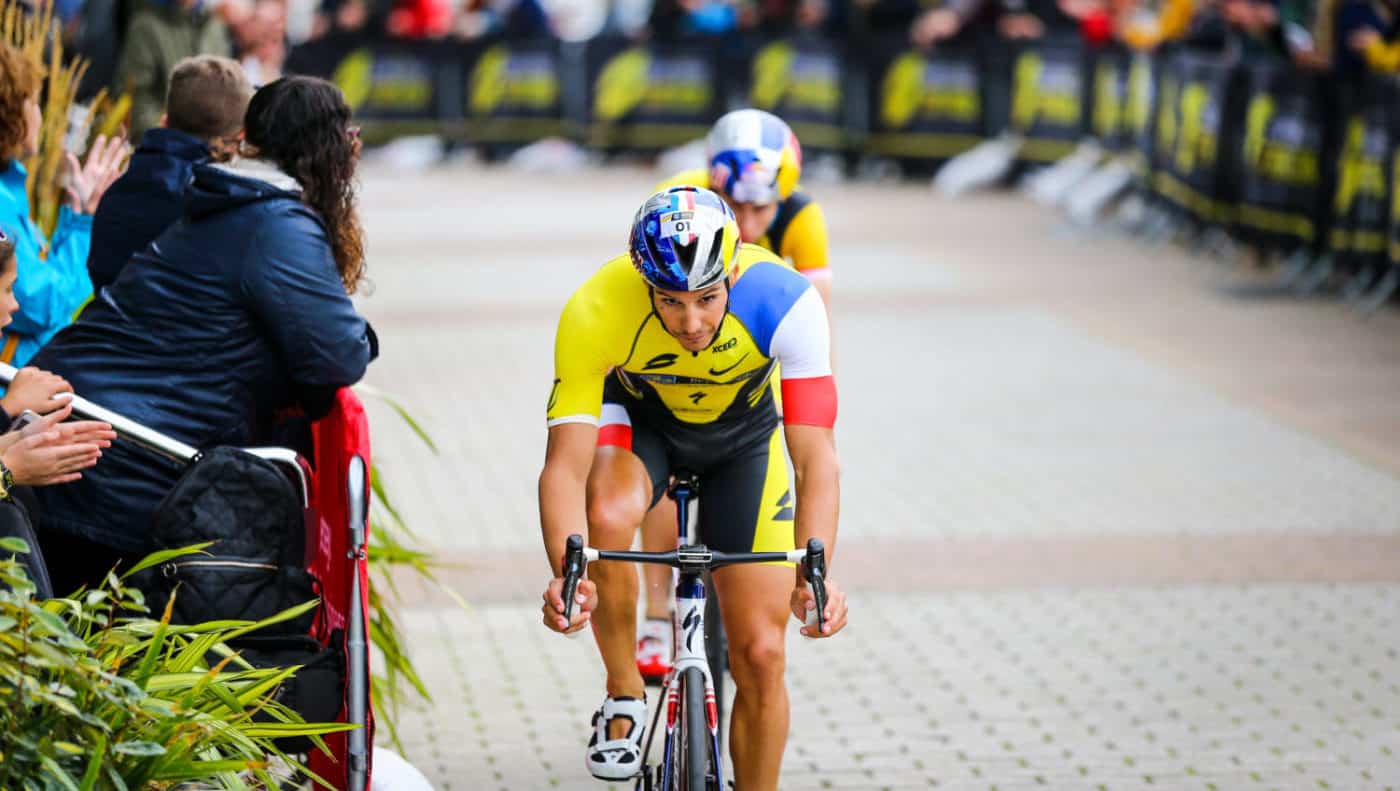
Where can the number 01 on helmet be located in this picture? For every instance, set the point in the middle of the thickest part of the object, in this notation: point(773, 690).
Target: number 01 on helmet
point(684, 239)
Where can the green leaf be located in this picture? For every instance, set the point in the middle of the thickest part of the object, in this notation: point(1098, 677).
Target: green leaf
point(143, 749)
point(11, 544)
point(51, 767)
point(94, 767)
point(279, 729)
point(157, 558)
point(374, 392)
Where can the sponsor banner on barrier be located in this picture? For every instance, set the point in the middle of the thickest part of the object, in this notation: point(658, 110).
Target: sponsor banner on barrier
point(802, 83)
point(1139, 114)
point(1280, 157)
point(512, 92)
point(1109, 100)
point(925, 106)
point(1048, 99)
point(646, 98)
point(1361, 200)
point(1196, 175)
point(392, 86)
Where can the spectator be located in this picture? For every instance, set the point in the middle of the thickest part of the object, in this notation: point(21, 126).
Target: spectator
point(1146, 27)
point(260, 38)
point(45, 452)
point(162, 34)
point(237, 314)
point(52, 273)
point(1370, 31)
point(203, 120)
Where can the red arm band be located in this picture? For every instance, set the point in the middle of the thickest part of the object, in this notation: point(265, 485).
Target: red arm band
point(810, 402)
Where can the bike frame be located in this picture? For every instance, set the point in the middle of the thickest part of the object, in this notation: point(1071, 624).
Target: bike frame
point(688, 648)
point(692, 560)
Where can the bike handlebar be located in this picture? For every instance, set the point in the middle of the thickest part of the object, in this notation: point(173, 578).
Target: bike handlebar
point(813, 560)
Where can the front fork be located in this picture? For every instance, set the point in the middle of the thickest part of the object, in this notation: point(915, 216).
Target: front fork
point(689, 642)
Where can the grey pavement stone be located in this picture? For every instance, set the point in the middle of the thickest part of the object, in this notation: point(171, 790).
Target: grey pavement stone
point(1000, 416)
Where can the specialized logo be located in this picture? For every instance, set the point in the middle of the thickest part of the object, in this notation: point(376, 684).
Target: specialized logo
point(553, 396)
point(723, 371)
point(693, 623)
point(784, 505)
point(660, 361)
point(695, 398)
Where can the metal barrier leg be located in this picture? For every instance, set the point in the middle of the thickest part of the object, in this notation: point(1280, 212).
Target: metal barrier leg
point(1315, 276)
point(1383, 291)
point(356, 643)
point(1359, 285)
point(1294, 267)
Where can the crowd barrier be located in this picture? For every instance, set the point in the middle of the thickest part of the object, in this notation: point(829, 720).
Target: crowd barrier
point(1280, 159)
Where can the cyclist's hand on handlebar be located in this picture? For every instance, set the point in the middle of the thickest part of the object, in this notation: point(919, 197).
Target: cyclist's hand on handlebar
point(802, 601)
point(584, 601)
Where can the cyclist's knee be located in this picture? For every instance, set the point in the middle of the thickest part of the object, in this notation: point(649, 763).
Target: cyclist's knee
point(760, 662)
point(613, 519)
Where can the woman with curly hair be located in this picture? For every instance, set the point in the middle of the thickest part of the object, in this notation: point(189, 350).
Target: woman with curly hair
point(234, 318)
point(53, 280)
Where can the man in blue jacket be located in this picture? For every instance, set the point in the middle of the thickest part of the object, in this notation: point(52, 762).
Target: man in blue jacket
point(203, 121)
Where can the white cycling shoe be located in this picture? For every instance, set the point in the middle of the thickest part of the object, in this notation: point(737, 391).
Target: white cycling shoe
point(617, 759)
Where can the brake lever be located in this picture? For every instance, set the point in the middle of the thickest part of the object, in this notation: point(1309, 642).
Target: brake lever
point(814, 570)
point(574, 565)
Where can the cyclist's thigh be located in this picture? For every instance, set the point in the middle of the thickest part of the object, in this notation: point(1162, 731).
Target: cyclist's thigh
point(746, 503)
point(628, 472)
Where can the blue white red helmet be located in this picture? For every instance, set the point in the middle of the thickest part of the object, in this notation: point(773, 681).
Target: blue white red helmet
point(684, 239)
point(754, 157)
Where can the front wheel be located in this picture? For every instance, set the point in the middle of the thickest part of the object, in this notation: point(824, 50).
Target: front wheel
point(696, 736)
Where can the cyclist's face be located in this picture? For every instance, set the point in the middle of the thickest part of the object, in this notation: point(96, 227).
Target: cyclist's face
point(692, 317)
point(753, 219)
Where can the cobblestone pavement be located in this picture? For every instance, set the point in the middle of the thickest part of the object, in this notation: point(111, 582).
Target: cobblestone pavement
point(1104, 525)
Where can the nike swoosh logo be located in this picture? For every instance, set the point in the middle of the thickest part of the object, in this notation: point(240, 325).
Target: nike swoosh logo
point(723, 371)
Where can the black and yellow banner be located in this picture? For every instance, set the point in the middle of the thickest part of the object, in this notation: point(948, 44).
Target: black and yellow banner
point(644, 98)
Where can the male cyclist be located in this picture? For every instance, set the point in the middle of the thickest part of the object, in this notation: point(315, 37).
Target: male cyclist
point(664, 359)
point(755, 162)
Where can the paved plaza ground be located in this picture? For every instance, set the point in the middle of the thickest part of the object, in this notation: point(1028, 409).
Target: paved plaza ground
point(1113, 517)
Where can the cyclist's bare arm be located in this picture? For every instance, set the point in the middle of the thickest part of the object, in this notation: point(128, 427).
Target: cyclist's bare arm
point(818, 473)
point(813, 453)
point(563, 510)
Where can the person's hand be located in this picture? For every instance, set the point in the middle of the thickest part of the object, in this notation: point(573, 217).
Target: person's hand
point(34, 390)
point(811, 13)
point(585, 599)
point(1360, 40)
point(86, 432)
point(86, 183)
point(802, 601)
point(1020, 26)
point(934, 26)
point(1310, 60)
point(44, 458)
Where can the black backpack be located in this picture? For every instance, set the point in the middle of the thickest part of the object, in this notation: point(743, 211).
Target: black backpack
point(256, 569)
point(257, 565)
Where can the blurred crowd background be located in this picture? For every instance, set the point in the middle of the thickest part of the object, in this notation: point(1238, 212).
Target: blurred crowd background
point(1262, 124)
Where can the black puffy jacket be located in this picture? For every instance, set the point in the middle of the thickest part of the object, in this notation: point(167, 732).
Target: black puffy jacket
point(233, 315)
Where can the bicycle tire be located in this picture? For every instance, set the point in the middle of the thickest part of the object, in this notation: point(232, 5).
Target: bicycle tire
point(717, 650)
point(696, 734)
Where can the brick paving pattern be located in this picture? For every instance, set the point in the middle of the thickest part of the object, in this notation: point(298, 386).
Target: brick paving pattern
point(1104, 527)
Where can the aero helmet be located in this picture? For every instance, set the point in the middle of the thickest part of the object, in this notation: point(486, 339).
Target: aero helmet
point(684, 239)
point(754, 157)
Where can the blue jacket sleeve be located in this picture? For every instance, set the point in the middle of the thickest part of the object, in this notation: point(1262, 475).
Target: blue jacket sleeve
point(51, 291)
point(295, 289)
